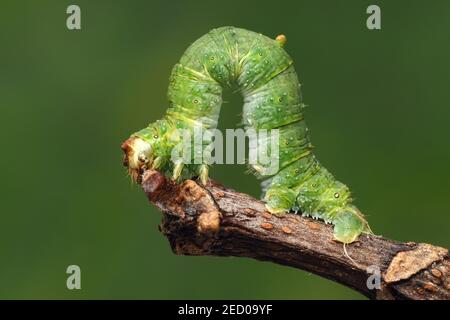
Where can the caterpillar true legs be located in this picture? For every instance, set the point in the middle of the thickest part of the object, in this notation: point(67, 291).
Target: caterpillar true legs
point(263, 72)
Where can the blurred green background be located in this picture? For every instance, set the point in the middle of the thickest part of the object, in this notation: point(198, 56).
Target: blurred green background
point(379, 118)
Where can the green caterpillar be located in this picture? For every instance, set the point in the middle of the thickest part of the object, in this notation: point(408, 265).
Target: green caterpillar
point(264, 73)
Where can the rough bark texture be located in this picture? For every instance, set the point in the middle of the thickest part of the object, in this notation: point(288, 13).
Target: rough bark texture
point(214, 220)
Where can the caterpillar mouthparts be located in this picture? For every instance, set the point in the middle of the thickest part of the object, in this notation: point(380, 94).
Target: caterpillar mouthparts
point(137, 157)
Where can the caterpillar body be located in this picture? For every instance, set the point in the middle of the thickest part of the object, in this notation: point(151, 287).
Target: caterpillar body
point(264, 73)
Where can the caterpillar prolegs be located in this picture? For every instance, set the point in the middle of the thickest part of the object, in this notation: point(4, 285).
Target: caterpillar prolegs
point(264, 73)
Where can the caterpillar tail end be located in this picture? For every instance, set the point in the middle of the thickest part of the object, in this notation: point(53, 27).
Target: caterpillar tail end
point(281, 39)
point(349, 225)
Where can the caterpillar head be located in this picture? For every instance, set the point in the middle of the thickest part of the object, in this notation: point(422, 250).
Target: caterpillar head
point(143, 150)
point(137, 156)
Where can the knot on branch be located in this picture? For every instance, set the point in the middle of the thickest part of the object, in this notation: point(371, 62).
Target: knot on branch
point(186, 199)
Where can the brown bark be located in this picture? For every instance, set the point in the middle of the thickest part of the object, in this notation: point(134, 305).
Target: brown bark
point(214, 220)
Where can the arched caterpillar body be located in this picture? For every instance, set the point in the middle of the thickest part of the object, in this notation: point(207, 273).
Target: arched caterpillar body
point(265, 75)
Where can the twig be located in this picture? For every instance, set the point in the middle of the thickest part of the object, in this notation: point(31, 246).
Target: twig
point(214, 220)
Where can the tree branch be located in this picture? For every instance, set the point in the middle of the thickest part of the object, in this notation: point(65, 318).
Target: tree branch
point(214, 220)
